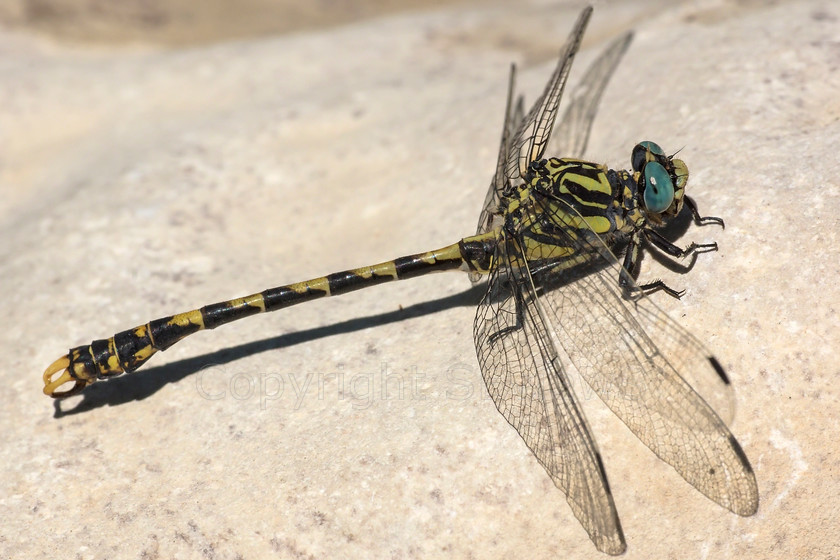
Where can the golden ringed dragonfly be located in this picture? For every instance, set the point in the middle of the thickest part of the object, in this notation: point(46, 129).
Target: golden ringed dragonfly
point(557, 299)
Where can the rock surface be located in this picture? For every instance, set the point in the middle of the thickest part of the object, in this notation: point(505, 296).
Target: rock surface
point(139, 181)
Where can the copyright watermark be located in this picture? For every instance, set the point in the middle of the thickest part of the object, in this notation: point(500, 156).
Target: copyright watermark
point(459, 382)
point(361, 389)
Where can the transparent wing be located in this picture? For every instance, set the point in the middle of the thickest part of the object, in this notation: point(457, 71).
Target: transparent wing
point(572, 133)
point(523, 374)
point(514, 114)
point(637, 360)
point(533, 134)
point(694, 362)
point(524, 139)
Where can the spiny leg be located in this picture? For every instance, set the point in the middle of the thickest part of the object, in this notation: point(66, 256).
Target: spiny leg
point(519, 324)
point(658, 240)
point(701, 220)
point(654, 238)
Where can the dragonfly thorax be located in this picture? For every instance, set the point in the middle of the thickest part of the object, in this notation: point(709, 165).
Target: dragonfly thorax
point(562, 197)
point(572, 193)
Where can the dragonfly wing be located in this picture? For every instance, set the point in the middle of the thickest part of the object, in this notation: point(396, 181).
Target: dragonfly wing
point(693, 361)
point(572, 134)
point(532, 137)
point(513, 119)
point(522, 372)
point(637, 360)
point(524, 138)
point(518, 115)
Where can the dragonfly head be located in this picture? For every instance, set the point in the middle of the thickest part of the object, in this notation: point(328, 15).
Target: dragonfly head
point(660, 180)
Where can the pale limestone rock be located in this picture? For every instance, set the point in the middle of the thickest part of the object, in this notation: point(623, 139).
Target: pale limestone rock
point(138, 182)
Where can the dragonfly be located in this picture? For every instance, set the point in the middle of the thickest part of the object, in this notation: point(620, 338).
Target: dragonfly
point(558, 300)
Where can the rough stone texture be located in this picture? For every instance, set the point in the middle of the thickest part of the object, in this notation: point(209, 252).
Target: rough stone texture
point(139, 181)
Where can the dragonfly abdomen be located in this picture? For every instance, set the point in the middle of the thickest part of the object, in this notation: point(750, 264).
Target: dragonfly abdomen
point(128, 350)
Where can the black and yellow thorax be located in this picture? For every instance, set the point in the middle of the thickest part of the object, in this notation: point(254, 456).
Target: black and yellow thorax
point(565, 209)
point(563, 199)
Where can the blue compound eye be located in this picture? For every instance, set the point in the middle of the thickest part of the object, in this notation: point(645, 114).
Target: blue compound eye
point(653, 147)
point(641, 151)
point(659, 190)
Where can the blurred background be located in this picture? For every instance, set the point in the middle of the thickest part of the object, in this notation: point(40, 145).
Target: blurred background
point(187, 22)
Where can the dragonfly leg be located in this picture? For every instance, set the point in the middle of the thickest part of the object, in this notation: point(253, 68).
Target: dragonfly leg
point(657, 285)
point(698, 219)
point(518, 325)
point(657, 240)
point(629, 271)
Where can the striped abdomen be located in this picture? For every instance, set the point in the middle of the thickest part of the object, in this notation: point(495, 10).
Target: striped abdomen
point(128, 350)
